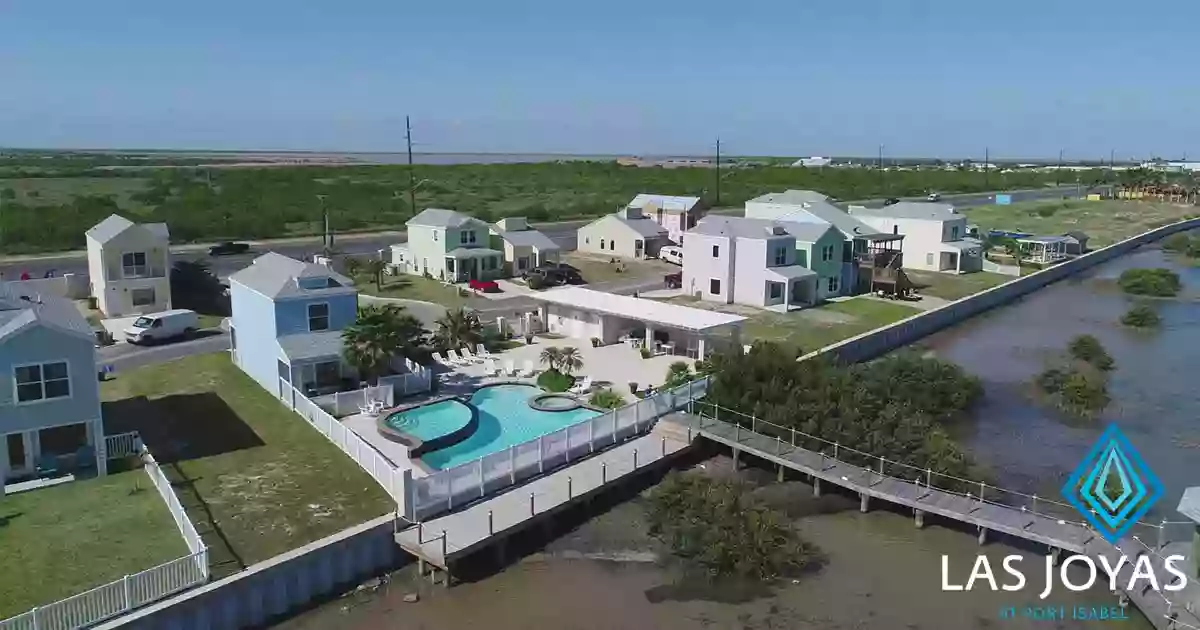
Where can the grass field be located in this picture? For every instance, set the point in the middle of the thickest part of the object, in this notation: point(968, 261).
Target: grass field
point(1106, 222)
point(952, 287)
point(411, 288)
point(34, 191)
point(597, 268)
point(254, 477)
point(64, 540)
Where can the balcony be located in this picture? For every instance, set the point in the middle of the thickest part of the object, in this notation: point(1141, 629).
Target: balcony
point(880, 259)
point(140, 272)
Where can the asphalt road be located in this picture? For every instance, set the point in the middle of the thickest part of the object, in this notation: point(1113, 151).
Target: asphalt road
point(369, 244)
point(123, 356)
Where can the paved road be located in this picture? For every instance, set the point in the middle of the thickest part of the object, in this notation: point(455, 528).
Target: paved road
point(563, 233)
point(123, 356)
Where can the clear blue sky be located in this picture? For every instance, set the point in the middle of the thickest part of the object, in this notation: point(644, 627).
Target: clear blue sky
point(784, 77)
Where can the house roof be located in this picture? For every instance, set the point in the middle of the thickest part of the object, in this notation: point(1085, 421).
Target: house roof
point(1077, 235)
point(638, 309)
point(527, 238)
point(1189, 506)
point(791, 272)
point(473, 252)
point(20, 307)
point(667, 203)
point(440, 217)
point(807, 232)
point(912, 210)
point(792, 196)
point(276, 276)
point(738, 227)
point(1043, 239)
point(313, 345)
point(115, 224)
point(819, 206)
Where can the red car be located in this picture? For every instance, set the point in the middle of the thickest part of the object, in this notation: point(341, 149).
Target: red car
point(486, 286)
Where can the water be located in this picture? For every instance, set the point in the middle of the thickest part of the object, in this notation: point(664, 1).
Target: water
point(431, 421)
point(505, 419)
point(1155, 400)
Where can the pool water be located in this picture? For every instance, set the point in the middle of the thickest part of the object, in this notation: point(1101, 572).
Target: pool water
point(431, 421)
point(505, 419)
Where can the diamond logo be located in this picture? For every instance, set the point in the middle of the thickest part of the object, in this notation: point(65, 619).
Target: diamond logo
point(1112, 487)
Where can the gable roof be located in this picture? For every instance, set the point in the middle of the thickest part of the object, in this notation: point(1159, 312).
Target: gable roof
point(530, 238)
point(276, 276)
point(912, 210)
point(1077, 235)
point(440, 217)
point(20, 307)
point(792, 197)
point(817, 205)
point(738, 227)
point(115, 224)
point(667, 203)
point(644, 226)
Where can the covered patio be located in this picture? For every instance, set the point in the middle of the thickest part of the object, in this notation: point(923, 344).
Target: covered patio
point(959, 256)
point(790, 287)
point(473, 263)
point(660, 327)
point(313, 364)
point(1044, 250)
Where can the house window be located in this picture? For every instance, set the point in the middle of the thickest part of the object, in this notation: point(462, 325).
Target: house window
point(142, 297)
point(929, 259)
point(612, 245)
point(832, 284)
point(42, 381)
point(435, 236)
point(601, 244)
point(776, 290)
point(522, 263)
point(781, 256)
point(133, 264)
point(466, 237)
point(449, 265)
point(63, 440)
point(318, 317)
point(826, 253)
point(714, 286)
point(716, 251)
point(895, 229)
point(954, 232)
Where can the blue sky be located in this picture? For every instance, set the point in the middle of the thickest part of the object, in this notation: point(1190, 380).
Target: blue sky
point(794, 77)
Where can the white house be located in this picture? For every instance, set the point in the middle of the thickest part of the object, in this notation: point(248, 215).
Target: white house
point(448, 245)
point(934, 235)
point(627, 233)
point(813, 162)
point(676, 214)
point(524, 247)
point(130, 266)
point(747, 261)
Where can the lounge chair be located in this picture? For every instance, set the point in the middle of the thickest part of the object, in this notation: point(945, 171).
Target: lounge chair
point(529, 370)
point(582, 387)
point(509, 368)
point(470, 356)
point(47, 465)
point(481, 350)
point(455, 359)
point(441, 359)
point(493, 367)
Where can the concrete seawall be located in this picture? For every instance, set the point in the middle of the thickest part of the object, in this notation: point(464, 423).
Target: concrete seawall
point(872, 344)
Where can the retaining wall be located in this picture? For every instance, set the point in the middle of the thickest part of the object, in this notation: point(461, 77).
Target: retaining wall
point(881, 340)
point(273, 588)
point(70, 286)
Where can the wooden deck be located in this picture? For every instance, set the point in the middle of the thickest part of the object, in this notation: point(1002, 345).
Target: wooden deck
point(922, 499)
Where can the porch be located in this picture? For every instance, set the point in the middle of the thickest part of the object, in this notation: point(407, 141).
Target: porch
point(1044, 250)
point(789, 288)
point(313, 364)
point(75, 449)
point(959, 257)
point(476, 263)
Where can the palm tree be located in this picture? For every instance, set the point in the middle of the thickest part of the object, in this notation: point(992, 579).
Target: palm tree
point(569, 360)
point(352, 265)
point(551, 357)
point(678, 373)
point(459, 328)
point(381, 332)
point(375, 267)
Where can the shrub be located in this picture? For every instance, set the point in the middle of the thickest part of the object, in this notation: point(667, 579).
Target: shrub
point(1156, 282)
point(1141, 316)
point(1179, 242)
point(646, 353)
point(607, 399)
point(1083, 394)
point(718, 527)
point(1087, 348)
point(1051, 380)
point(1047, 211)
point(554, 381)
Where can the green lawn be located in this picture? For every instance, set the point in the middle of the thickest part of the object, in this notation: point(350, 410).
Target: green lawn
point(814, 328)
point(210, 321)
point(60, 541)
point(952, 287)
point(597, 268)
point(411, 288)
point(1106, 222)
point(254, 477)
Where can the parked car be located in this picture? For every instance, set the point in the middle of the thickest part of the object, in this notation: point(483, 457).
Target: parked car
point(672, 254)
point(553, 275)
point(673, 280)
point(228, 248)
point(891, 201)
point(164, 326)
point(934, 197)
point(485, 286)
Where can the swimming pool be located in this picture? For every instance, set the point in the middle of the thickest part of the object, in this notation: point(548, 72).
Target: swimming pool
point(505, 419)
point(432, 421)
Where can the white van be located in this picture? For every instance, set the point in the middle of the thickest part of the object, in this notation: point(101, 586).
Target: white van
point(154, 327)
point(672, 254)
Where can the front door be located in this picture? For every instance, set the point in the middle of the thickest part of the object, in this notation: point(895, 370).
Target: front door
point(638, 246)
point(19, 461)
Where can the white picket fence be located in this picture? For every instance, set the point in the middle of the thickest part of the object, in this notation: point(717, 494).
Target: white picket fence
point(358, 449)
point(131, 591)
point(122, 445)
point(442, 491)
point(342, 404)
point(416, 378)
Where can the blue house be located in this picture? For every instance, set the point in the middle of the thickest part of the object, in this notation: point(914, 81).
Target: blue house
point(287, 324)
point(50, 406)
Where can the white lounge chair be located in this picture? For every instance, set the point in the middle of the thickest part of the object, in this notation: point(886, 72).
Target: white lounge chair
point(482, 351)
point(455, 359)
point(471, 356)
point(529, 370)
point(582, 387)
point(509, 368)
point(440, 358)
point(372, 408)
point(493, 367)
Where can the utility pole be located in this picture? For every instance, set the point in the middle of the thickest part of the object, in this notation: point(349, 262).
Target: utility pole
point(412, 187)
point(1058, 171)
point(879, 166)
point(717, 203)
point(326, 242)
point(987, 167)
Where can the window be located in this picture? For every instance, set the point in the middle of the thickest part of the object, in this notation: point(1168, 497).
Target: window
point(776, 290)
point(954, 232)
point(435, 236)
point(42, 381)
point(601, 243)
point(612, 245)
point(929, 259)
point(826, 253)
point(895, 229)
point(781, 256)
point(63, 440)
point(832, 284)
point(522, 263)
point(466, 237)
point(133, 264)
point(142, 297)
point(716, 251)
point(714, 286)
point(318, 317)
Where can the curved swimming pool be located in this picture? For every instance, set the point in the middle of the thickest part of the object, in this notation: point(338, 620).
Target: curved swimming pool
point(505, 419)
point(431, 421)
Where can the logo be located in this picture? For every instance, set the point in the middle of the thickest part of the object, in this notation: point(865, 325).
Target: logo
point(1112, 487)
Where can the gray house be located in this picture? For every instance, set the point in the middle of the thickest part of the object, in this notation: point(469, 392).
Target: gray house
point(50, 411)
point(627, 233)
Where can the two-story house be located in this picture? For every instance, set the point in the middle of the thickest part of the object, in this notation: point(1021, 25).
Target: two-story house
point(871, 259)
point(129, 265)
point(286, 327)
point(524, 247)
point(934, 235)
point(447, 245)
point(50, 408)
point(627, 233)
point(746, 261)
point(676, 214)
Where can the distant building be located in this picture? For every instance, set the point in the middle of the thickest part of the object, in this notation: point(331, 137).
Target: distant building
point(627, 233)
point(813, 162)
point(130, 266)
point(934, 235)
point(450, 246)
point(676, 214)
